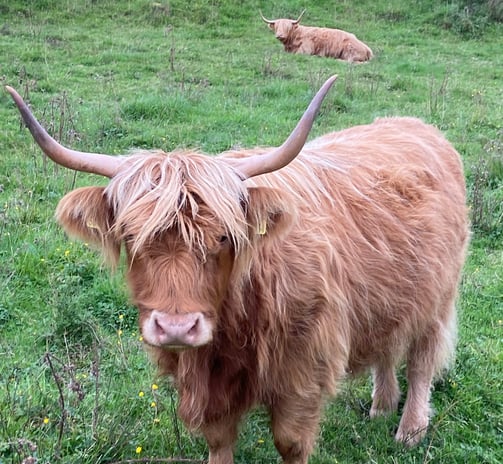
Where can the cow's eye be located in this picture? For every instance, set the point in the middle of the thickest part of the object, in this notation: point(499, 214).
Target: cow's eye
point(129, 238)
point(223, 239)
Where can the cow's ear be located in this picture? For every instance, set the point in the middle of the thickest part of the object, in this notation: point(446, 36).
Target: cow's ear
point(86, 214)
point(270, 212)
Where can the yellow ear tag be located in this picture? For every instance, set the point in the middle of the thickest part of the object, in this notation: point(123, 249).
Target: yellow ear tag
point(92, 225)
point(262, 228)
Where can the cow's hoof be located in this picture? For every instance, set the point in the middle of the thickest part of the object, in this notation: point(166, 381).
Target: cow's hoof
point(411, 436)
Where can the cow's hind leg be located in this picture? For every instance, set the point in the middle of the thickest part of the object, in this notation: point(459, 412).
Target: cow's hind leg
point(427, 356)
point(386, 393)
point(295, 424)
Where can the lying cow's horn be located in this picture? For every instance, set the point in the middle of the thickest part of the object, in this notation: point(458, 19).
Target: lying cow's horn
point(104, 165)
point(299, 18)
point(268, 21)
point(276, 159)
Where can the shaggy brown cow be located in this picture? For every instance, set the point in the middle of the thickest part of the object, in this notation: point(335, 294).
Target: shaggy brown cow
point(267, 288)
point(320, 41)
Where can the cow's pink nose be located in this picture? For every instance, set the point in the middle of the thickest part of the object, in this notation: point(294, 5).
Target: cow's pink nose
point(181, 330)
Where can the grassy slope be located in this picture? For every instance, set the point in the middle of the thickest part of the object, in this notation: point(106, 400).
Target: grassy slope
point(108, 76)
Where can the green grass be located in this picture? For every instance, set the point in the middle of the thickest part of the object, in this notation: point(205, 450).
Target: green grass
point(109, 76)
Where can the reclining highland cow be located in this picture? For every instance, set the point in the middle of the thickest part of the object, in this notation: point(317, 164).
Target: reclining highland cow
point(321, 41)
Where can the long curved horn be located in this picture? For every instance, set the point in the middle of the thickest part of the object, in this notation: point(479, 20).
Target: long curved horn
point(281, 156)
point(299, 18)
point(104, 165)
point(268, 21)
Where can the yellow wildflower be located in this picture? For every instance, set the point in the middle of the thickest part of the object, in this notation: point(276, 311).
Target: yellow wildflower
point(46, 420)
point(141, 394)
point(138, 449)
point(154, 386)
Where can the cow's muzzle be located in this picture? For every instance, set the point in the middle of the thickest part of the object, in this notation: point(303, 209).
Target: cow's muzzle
point(177, 331)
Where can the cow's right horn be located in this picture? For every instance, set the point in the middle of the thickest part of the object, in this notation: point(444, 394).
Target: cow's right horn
point(104, 165)
point(268, 21)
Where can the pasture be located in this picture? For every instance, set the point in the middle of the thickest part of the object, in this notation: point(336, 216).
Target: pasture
point(75, 384)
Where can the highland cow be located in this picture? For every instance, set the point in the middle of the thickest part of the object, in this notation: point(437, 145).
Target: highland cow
point(266, 276)
point(321, 41)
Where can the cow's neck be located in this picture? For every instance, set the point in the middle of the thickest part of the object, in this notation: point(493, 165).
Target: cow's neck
point(293, 42)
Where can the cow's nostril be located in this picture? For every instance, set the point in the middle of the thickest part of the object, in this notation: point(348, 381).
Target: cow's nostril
point(158, 327)
point(193, 329)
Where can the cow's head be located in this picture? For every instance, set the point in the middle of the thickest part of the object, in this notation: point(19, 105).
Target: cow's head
point(282, 28)
point(184, 220)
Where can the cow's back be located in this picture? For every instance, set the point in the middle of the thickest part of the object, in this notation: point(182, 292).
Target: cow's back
point(327, 42)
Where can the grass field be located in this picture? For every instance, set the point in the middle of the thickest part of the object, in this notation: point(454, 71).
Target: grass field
point(107, 76)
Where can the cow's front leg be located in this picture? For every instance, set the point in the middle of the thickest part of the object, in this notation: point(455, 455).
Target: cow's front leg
point(295, 423)
point(221, 437)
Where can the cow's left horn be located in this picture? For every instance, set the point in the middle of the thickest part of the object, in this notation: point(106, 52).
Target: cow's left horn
point(300, 17)
point(268, 21)
point(104, 165)
point(276, 159)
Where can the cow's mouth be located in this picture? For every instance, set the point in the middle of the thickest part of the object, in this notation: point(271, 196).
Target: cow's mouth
point(177, 348)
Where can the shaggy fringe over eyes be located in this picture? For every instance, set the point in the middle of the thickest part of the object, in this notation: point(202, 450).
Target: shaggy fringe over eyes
point(160, 191)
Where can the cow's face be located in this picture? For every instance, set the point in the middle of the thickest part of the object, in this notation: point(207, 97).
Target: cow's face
point(283, 28)
point(178, 290)
point(182, 259)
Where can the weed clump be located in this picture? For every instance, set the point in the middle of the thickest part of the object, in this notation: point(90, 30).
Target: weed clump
point(486, 192)
point(470, 18)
